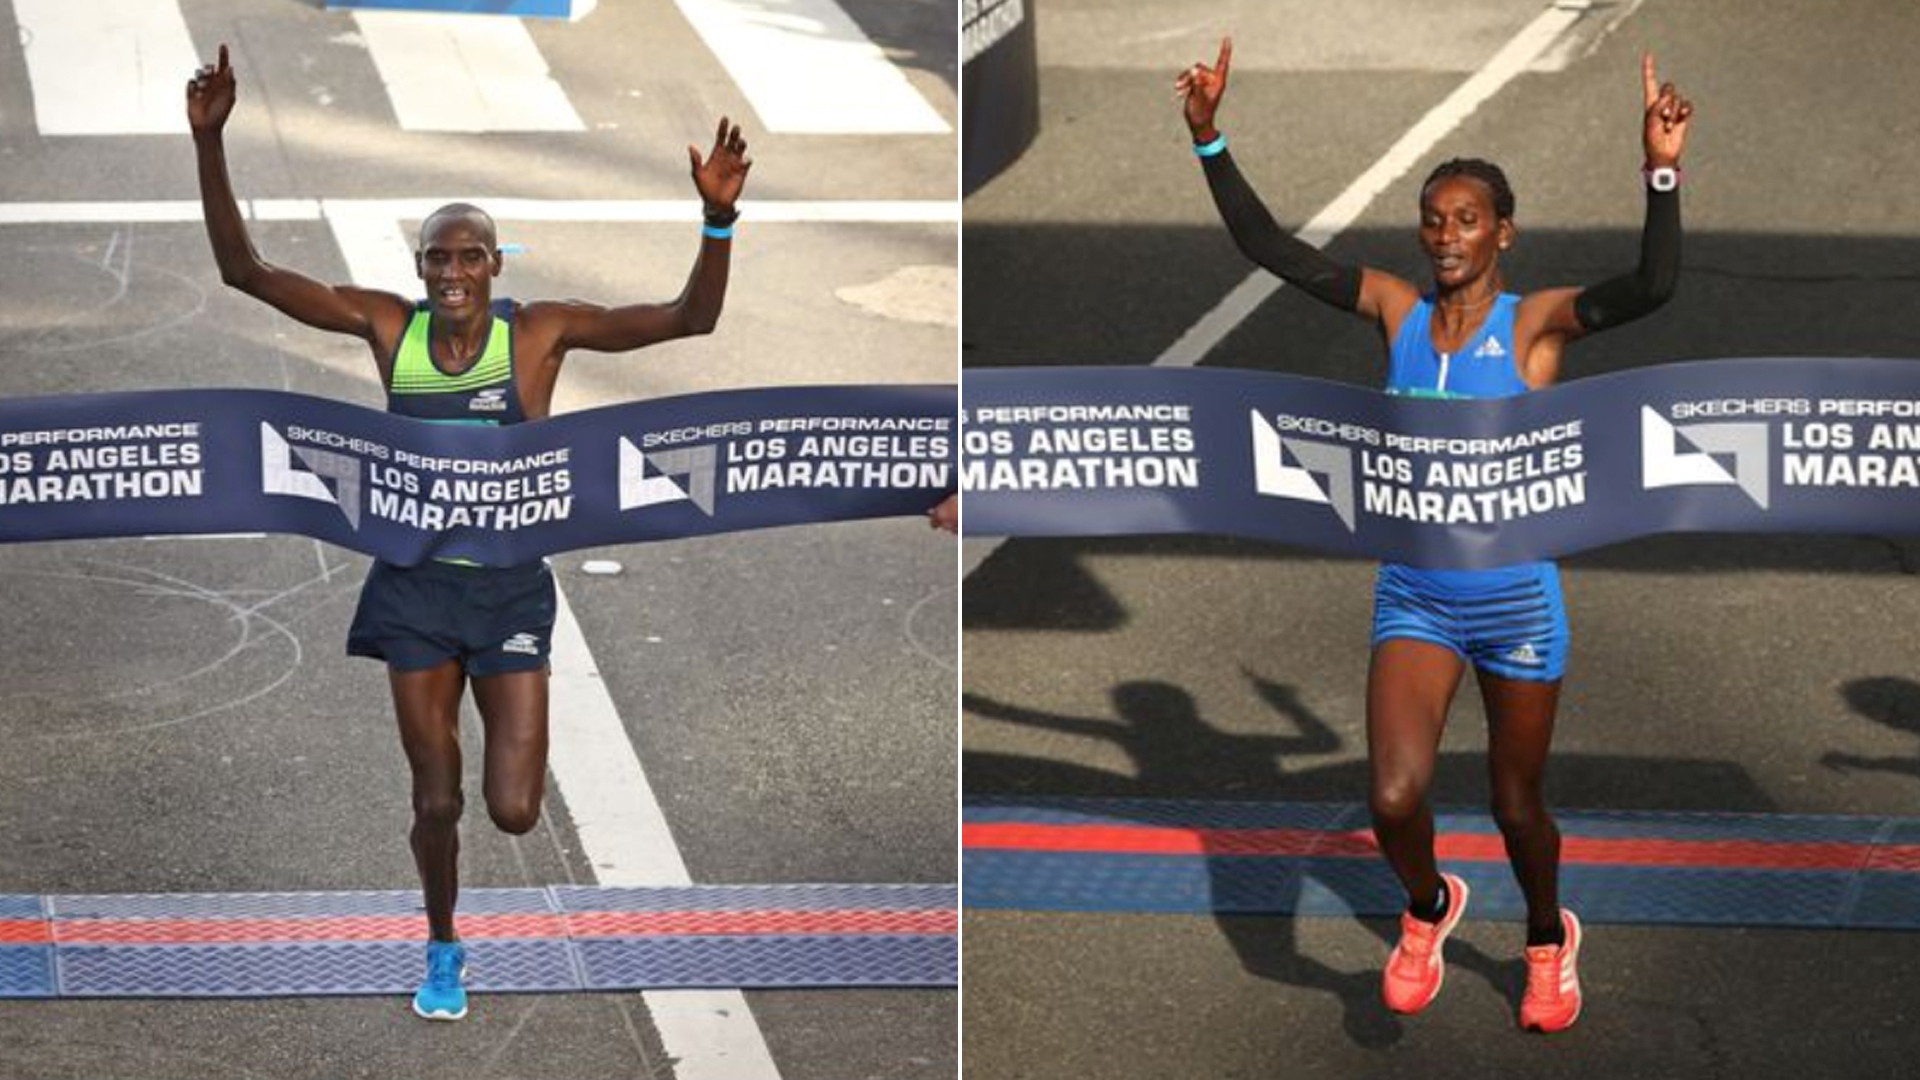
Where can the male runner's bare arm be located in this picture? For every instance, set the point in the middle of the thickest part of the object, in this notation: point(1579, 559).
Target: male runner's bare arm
point(364, 313)
point(719, 178)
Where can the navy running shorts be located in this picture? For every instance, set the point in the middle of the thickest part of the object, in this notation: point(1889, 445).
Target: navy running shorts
point(492, 619)
point(1510, 621)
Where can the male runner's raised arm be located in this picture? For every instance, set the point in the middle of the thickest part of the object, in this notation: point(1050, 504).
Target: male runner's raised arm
point(575, 324)
point(373, 316)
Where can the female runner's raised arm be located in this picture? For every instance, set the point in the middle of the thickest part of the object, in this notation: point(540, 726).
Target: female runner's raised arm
point(1378, 296)
point(1570, 313)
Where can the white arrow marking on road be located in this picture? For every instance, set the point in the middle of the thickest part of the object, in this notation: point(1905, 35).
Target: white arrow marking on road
point(806, 68)
point(107, 67)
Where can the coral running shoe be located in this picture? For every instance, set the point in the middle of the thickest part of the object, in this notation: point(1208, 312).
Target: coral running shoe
point(1553, 986)
point(442, 997)
point(1415, 970)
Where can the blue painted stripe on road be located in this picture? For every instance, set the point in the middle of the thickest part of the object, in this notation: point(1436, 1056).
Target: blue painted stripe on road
point(291, 905)
point(775, 961)
point(1251, 885)
point(26, 971)
point(574, 898)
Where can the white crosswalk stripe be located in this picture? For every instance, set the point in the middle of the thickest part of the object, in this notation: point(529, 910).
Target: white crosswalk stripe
point(807, 68)
point(117, 67)
point(464, 73)
point(106, 67)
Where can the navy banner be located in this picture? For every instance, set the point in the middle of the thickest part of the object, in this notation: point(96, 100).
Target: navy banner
point(1768, 445)
point(217, 461)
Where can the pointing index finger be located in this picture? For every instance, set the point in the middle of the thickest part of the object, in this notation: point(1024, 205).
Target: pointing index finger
point(224, 65)
point(1226, 58)
point(1650, 84)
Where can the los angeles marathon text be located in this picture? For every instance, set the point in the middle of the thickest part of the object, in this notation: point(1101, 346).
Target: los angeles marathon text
point(845, 452)
point(1473, 482)
point(1823, 446)
point(131, 461)
point(511, 493)
point(1075, 447)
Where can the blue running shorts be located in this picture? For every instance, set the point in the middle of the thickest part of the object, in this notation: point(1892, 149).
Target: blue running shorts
point(1509, 621)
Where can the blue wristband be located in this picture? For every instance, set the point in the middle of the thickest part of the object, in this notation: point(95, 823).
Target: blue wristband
point(1211, 149)
point(717, 232)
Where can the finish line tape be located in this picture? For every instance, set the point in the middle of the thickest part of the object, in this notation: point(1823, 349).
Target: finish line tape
point(1766, 445)
point(403, 490)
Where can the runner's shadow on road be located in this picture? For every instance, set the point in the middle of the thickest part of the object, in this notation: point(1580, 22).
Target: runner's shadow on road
point(1176, 753)
point(1892, 702)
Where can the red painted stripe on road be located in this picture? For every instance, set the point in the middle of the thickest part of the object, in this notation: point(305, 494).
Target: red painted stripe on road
point(321, 928)
point(1466, 847)
point(24, 932)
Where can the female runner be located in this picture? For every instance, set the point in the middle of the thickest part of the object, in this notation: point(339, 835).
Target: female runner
point(1466, 338)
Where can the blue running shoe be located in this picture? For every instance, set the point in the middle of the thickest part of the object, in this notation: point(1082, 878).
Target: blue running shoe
point(442, 997)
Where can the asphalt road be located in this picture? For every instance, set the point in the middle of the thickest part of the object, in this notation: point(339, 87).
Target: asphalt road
point(179, 715)
point(1762, 674)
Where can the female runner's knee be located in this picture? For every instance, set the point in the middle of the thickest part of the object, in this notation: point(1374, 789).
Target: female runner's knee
point(1395, 800)
point(1518, 810)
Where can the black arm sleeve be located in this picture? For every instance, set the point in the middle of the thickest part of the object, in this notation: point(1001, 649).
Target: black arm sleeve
point(1262, 239)
point(1621, 300)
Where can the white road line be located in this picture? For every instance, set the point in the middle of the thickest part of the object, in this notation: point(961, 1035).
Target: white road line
point(377, 253)
point(710, 1034)
point(1346, 208)
point(639, 211)
point(806, 68)
point(107, 67)
point(1439, 122)
point(461, 73)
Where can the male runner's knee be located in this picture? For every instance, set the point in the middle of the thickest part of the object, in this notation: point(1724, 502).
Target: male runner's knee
point(514, 816)
point(438, 807)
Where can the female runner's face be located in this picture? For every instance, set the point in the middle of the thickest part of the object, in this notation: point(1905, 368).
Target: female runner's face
point(1460, 231)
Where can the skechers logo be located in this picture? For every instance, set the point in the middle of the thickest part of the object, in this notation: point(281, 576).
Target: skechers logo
point(1680, 455)
point(280, 476)
point(1324, 473)
point(528, 644)
point(494, 400)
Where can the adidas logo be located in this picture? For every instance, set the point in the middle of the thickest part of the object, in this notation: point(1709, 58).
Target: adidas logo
point(1490, 347)
point(1525, 654)
point(494, 400)
point(528, 644)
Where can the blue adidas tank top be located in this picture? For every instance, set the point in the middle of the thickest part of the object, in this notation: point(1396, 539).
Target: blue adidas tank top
point(1483, 367)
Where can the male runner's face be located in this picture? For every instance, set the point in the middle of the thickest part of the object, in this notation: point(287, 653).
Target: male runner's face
point(1459, 231)
point(458, 262)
